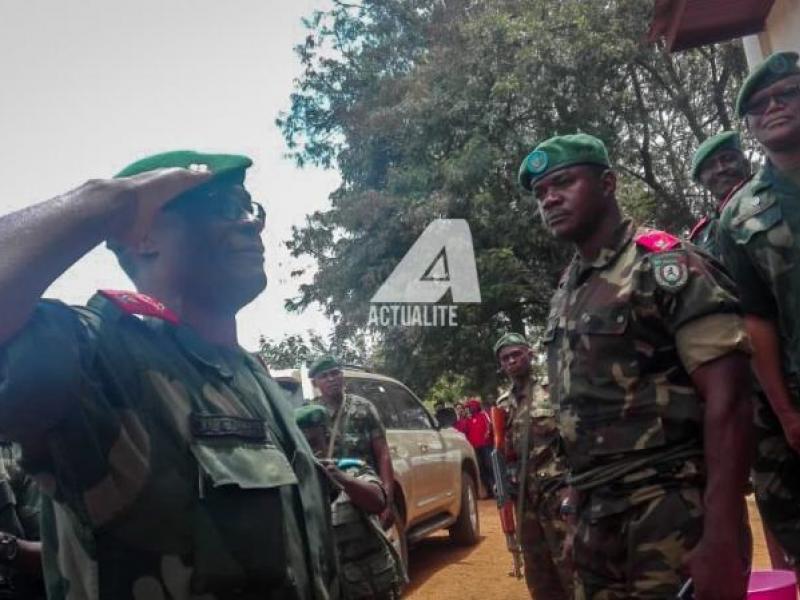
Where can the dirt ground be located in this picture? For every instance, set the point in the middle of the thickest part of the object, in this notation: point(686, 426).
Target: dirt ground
point(441, 571)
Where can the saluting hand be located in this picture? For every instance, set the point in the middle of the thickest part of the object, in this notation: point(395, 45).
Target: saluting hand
point(144, 195)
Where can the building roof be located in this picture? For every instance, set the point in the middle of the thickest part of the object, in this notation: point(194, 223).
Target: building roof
point(685, 24)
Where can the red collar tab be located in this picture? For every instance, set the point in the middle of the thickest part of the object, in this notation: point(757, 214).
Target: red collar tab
point(656, 241)
point(698, 227)
point(132, 303)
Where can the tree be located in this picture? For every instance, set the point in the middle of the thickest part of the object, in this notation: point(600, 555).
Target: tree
point(293, 351)
point(427, 108)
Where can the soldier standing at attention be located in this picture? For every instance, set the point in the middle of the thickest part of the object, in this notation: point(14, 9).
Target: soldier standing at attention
point(720, 166)
point(648, 367)
point(760, 243)
point(170, 463)
point(532, 432)
point(356, 428)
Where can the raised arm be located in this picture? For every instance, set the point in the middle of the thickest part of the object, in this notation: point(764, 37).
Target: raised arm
point(39, 243)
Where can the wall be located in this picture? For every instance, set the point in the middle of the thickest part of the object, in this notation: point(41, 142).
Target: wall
point(782, 32)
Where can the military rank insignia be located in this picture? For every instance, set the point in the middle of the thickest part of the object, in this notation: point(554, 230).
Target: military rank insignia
point(537, 161)
point(670, 270)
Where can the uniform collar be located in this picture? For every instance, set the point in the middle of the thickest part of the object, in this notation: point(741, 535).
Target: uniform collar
point(203, 352)
point(622, 236)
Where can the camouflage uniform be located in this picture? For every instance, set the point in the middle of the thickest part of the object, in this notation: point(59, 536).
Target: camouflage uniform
point(170, 468)
point(705, 234)
point(359, 424)
point(370, 567)
point(760, 248)
point(623, 334)
point(548, 572)
point(19, 516)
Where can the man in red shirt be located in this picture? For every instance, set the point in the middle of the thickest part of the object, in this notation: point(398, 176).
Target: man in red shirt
point(479, 435)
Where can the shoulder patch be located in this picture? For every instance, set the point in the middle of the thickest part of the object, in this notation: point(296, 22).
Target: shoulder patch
point(671, 270)
point(132, 303)
point(656, 241)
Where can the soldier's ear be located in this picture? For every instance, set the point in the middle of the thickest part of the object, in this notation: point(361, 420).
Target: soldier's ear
point(608, 183)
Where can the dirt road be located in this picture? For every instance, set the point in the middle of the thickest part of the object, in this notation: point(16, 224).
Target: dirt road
point(441, 571)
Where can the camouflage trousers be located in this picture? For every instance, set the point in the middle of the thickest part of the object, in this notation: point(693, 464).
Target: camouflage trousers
point(776, 478)
point(548, 572)
point(638, 551)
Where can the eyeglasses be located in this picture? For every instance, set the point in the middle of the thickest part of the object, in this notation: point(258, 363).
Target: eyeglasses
point(783, 97)
point(217, 205)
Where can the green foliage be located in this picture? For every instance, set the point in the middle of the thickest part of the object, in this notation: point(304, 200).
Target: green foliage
point(448, 389)
point(295, 350)
point(427, 108)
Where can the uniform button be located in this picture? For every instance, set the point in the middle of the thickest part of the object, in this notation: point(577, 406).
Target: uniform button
point(600, 439)
point(585, 317)
point(620, 318)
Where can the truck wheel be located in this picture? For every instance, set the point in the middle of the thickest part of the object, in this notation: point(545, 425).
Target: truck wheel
point(466, 531)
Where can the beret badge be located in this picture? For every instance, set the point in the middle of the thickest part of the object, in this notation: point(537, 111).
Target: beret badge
point(537, 161)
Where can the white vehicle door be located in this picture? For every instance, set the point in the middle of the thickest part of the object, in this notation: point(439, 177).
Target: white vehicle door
point(432, 482)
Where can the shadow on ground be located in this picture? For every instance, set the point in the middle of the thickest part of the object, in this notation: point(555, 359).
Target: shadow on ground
point(434, 554)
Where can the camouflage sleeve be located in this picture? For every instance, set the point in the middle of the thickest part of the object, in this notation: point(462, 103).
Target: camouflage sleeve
point(43, 370)
point(704, 288)
point(375, 427)
point(754, 292)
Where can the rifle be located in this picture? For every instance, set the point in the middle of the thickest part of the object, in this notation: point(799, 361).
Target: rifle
point(505, 504)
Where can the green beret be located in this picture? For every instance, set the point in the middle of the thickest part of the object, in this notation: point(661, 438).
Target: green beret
point(322, 364)
point(560, 152)
point(727, 140)
point(776, 67)
point(510, 339)
point(217, 164)
point(311, 415)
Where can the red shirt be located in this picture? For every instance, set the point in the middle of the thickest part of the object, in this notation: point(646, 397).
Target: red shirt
point(479, 430)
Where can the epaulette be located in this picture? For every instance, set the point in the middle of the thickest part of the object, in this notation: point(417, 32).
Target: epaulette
point(133, 303)
point(656, 241)
point(698, 227)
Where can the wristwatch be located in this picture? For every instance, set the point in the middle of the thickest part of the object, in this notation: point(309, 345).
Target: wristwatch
point(8, 548)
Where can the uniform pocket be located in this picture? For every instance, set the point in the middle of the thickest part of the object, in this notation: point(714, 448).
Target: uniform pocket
point(604, 354)
point(625, 434)
point(239, 529)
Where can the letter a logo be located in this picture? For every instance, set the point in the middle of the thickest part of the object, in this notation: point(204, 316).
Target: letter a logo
point(441, 259)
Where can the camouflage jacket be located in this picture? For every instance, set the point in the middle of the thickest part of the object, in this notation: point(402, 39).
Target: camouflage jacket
point(19, 496)
point(170, 468)
point(760, 242)
point(370, 566)
point(19, 516)
point(705, 233)
point(359, 424)
point(545, 467)
point(623, 335)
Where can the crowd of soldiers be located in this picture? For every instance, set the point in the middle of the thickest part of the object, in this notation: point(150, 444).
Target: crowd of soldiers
point(634, 464)
point(169, 465)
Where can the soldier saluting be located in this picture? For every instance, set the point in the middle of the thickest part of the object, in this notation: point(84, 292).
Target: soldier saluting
point(170, 462)
point(647, 360)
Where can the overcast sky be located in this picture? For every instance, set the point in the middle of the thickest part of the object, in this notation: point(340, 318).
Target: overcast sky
point(88, 86)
